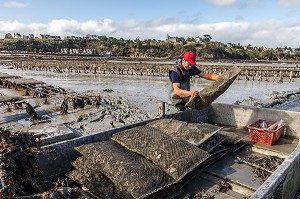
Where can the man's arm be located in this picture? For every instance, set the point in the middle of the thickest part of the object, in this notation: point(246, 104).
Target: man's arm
point(196, 71)
point(213, 77)
point(180, 92)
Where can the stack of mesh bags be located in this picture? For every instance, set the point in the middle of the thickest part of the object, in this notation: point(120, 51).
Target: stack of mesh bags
point(141, 162)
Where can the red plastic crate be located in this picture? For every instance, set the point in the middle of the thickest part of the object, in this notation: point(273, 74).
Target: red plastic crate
point(263, 136)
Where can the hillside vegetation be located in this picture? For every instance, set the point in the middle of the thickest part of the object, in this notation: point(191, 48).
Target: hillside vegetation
point(109, 46)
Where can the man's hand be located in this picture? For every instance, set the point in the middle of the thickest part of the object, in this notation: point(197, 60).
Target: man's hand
point(194, 94)
point(213, 77)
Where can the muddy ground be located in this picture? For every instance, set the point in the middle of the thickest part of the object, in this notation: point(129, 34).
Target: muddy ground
point(125, 99)
point(112, 112)
point(107, 113)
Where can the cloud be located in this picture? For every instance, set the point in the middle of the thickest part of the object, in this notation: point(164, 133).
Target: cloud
point(64, 27)
point(288, 3)
point(129, 23)
point(223, 2)
point(259, 33)
point(238, 3)
point(256, 34)
point(11, 26)
point(13, 4)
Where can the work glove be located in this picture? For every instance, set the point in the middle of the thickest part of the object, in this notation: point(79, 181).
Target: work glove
point(194, 94)
point(213, 77)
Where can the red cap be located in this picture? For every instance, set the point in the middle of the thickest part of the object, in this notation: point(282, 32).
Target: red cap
point(190, 57)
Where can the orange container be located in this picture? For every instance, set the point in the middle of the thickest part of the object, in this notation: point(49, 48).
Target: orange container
point(263, 136)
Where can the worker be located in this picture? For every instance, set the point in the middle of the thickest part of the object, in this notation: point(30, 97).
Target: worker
point(180, 76)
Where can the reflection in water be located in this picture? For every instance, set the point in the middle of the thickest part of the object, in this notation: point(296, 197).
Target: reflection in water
point(145, 91)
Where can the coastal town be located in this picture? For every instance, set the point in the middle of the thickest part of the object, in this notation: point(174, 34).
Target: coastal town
point(105, 46)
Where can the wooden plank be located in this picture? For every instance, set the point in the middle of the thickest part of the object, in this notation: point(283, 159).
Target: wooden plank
point(208, 184)
point(239, 173)
point(284, 145)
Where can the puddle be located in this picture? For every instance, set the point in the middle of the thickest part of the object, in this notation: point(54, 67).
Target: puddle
point(25, 122)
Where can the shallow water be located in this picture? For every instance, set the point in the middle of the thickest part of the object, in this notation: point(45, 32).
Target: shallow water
point(145, 92)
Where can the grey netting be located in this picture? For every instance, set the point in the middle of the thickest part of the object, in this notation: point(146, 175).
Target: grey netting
point(175, 156)
point(125, 169)
point(194, 133)
point(90, 177)
point(214, 90)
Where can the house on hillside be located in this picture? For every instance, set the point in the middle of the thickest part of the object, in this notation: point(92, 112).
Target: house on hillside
point(78, 51)
point(198, 39)
point(73, 37)
point(90, 51)
point(171, 39)
point(31, 36)
point(54, 37)
point(92, 37)
point(43, 36)
point(17, 36)
point(46, 36)
point(107, 53)
point(25, 37)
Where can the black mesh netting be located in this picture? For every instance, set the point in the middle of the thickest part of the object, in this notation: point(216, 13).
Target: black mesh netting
point(125, 169)
point(194, 133)
point(94, 181)
point(174, 155)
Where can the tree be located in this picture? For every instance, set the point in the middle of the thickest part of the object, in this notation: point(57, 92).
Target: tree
point(190, 39)
point(102, 38)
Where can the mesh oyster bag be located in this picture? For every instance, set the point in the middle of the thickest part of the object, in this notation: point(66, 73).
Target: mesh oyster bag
point(194, 133)
point(175, 156)
point(214, 90)
point(94, 181)
point(133, 173)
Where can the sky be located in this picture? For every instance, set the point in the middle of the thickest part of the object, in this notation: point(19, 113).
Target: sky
point(269, 23)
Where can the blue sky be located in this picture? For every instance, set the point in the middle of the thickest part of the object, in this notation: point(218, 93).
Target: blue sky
point(270, 23)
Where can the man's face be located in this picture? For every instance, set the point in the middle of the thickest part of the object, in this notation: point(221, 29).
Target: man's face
point(186, 65)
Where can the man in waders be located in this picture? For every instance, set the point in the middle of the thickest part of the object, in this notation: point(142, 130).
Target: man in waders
point(180, 76)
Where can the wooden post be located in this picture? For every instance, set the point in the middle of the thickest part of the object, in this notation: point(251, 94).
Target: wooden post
point(260, 76)
point(161, 109)
point(247, 75)
point(280, 77)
